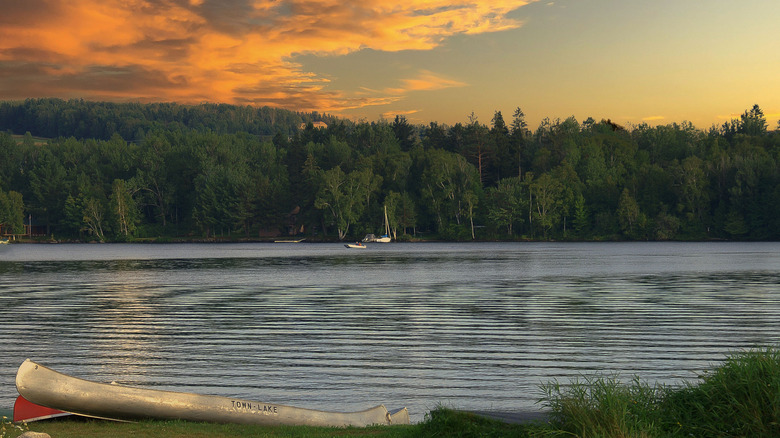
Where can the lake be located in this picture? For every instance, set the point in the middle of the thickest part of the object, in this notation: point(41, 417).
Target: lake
point(475, 326)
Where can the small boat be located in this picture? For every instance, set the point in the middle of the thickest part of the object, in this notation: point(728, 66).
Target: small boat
point(355, 245)
point(51, 389)
point(381, 239)
point(290, 241)
point(4, 241)
point(384, 238)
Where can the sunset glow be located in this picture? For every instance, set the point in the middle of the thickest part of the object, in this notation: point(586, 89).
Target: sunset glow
point(431, 60)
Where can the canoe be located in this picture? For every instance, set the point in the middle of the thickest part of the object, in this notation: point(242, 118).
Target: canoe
point(46, 387)
point(354, 245)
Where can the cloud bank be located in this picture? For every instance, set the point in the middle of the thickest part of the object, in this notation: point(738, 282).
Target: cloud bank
point(234, 51)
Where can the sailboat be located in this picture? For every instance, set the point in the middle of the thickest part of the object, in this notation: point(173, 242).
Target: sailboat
point(385, 238)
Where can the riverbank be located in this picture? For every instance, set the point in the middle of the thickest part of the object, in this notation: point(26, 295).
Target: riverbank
point(741, 397)
point(440, 422)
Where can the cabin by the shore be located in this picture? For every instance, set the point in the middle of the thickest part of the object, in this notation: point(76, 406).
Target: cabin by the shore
point(30, 230)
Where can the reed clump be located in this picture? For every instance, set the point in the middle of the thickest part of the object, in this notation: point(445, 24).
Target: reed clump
point(740, 398)
point(602, 406)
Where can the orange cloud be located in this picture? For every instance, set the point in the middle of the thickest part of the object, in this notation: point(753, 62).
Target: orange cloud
point(235, 51)
point(390, 115)
point(425, 81)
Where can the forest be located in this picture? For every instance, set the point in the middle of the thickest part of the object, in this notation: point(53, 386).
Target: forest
point(95, 171)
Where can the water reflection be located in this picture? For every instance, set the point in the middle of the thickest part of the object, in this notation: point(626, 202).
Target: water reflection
point(475, 328)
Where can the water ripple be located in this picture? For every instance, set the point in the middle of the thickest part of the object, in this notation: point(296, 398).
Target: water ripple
point(477, 328)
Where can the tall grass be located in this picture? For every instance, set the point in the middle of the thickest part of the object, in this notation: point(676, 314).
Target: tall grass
point(602, 407)
point(740, 398)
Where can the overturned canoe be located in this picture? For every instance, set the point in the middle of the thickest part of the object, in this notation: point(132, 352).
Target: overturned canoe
point(49, 388)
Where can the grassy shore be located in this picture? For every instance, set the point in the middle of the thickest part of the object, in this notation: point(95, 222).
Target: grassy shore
point(441, 423)
point(739, 398)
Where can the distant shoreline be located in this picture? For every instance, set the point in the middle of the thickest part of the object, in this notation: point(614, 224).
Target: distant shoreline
point(293, 240)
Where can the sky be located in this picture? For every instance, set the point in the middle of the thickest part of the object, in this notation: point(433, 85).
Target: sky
point(631, 61)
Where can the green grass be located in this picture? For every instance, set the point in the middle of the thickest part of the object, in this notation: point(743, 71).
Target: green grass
point(740, 398)
point(181, 429)
point(602, 407)
point(441, 423)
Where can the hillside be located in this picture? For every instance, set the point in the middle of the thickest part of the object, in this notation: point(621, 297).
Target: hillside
point(167, 171)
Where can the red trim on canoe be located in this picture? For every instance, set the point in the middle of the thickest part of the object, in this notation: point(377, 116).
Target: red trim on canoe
point(25, 410)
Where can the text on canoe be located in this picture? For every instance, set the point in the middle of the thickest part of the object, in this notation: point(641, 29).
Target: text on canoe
point(256, 407)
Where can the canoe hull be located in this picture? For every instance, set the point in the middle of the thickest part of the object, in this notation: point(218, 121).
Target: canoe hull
point(46, 387)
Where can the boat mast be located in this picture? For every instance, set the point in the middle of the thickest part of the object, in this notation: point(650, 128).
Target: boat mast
point(387, 223)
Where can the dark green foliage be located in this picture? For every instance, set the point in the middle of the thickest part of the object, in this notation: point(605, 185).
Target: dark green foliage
point(101, 120)
point(443, 422)
point(230, 172)
point(12, 212)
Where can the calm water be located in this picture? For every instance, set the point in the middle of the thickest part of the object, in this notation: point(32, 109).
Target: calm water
point(471, 326)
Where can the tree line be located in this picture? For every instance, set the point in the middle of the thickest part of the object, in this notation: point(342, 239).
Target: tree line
point(78, 118)
point(226, 171)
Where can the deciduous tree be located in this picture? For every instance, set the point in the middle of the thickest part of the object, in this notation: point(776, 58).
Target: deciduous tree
point(124, 211)
point(628, 213)
point(344, 195)
point(12, 212)
point(547, 202)
point(506, 204)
